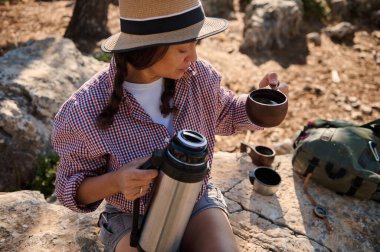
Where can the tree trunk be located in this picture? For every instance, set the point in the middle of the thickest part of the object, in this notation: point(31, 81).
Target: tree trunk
point(89, 21)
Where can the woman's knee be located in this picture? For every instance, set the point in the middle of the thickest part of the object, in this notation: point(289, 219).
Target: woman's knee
point(209, 230)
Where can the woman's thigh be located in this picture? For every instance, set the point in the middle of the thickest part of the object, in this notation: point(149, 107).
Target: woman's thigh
point(209, 230)
point(123, 244)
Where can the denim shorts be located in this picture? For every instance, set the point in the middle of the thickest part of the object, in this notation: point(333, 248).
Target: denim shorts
point(115, 224)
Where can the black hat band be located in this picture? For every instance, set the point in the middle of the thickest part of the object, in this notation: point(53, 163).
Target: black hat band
point(161, 25)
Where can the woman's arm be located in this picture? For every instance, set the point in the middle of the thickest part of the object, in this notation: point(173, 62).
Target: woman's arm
point(129, 180)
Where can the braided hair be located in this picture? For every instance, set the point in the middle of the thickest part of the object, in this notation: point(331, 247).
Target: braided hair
point(139, 59)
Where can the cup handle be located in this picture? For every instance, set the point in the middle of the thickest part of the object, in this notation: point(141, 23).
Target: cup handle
point(252, 176)
point(244, 146)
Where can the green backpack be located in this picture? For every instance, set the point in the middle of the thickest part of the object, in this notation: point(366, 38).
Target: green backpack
point(342, 156)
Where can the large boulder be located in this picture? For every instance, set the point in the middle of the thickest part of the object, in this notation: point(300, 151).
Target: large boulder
point(282, 222)
point(219, 8)
point(271, 24)
point(34, 81)
point(349, 10)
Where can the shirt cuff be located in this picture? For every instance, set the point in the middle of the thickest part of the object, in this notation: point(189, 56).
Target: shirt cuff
point(67, 194)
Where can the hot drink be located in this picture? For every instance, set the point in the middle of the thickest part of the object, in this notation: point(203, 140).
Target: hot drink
point(265, 100)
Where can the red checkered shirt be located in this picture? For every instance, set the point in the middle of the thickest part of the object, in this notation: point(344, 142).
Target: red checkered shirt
point(87, 151)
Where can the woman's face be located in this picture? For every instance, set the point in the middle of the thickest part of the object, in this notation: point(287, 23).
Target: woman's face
point(176, 61)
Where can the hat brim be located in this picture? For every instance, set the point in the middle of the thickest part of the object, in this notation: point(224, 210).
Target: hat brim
point(122, 42)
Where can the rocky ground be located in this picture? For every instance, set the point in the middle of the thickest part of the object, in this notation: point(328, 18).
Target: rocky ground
point(281, 222)
point(331, 81)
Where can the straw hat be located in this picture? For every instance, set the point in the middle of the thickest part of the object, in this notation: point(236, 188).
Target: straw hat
point(147, 23)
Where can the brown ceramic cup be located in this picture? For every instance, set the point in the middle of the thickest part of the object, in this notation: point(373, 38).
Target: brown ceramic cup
point(266, 107)
point(261, 155)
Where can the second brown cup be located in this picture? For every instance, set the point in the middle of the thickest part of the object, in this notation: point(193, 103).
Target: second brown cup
point(261, 155)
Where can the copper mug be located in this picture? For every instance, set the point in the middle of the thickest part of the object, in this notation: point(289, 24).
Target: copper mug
point(267, 107)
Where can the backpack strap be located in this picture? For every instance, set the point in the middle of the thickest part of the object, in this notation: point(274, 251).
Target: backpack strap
point(355, 185)
point(319, 211)
point(312, 164)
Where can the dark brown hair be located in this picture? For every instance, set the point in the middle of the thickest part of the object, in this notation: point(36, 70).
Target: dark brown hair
point(139, 59)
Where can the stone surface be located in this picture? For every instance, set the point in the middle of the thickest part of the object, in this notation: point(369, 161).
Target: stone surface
point(282, 222)
point(32, 224)
point(34, 82)
point(341, 31)
point(271, 23)
point(351, 9)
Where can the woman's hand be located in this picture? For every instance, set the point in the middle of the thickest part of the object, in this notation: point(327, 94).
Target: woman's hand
point(272, 81)
point(132, 182)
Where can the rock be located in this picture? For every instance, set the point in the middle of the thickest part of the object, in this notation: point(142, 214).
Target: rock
point(219, 8)
point(282, 222)
point(377, 58)
point(375, 18)
point(32, 224)
point(314, 37)
point(339, 9)
point(376, 106)
point(284, 147)
point(34, 81)
point(356, 115)
point(352, 99)
point(355, 105)
point(347, 107)
point(341, 31)
point(335, 76)
point(307, 88)
point(366, 109)
point(271, 24)
point(352, 9)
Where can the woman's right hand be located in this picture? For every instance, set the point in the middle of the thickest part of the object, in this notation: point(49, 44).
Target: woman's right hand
point(133, 182)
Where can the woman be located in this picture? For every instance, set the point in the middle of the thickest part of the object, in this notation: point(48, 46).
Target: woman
point(154, 87)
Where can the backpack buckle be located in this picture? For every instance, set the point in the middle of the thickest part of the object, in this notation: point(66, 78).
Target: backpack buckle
point(373, 149)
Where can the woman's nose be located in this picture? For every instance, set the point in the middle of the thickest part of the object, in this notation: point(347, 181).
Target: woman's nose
point(193, 54)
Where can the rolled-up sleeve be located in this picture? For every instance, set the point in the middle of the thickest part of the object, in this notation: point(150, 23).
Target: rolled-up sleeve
point(232, 115)
point(76, 161)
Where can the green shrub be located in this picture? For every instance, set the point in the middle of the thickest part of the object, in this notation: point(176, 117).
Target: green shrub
point(45, 175)
point(315, 9)
point(102, 56)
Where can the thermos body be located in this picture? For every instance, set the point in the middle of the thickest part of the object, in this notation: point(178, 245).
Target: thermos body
point(183, 166)
point(168, 214)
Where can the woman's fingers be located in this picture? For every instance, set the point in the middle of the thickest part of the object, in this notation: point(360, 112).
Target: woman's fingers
point(137, 192)
point(270, 79)
point(283, 87)
point(134, 182)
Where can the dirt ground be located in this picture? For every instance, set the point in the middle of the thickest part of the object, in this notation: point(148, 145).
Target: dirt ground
point(308, 69)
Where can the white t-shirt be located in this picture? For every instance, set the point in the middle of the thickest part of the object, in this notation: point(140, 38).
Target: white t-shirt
point(149, 97)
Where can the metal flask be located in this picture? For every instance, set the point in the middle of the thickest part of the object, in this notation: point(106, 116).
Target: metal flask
point(182, 168)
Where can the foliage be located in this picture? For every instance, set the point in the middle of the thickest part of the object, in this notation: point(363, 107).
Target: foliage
point(45, 175)
point(315, 9)
point(102, 56)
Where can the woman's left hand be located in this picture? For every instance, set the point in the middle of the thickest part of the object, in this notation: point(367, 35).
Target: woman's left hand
point(271, 80)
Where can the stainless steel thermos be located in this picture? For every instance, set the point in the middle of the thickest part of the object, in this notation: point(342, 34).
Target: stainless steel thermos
point(182, 168)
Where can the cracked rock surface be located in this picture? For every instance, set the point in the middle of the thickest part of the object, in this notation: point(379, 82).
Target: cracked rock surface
point(282, 222)
point(285, 221)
